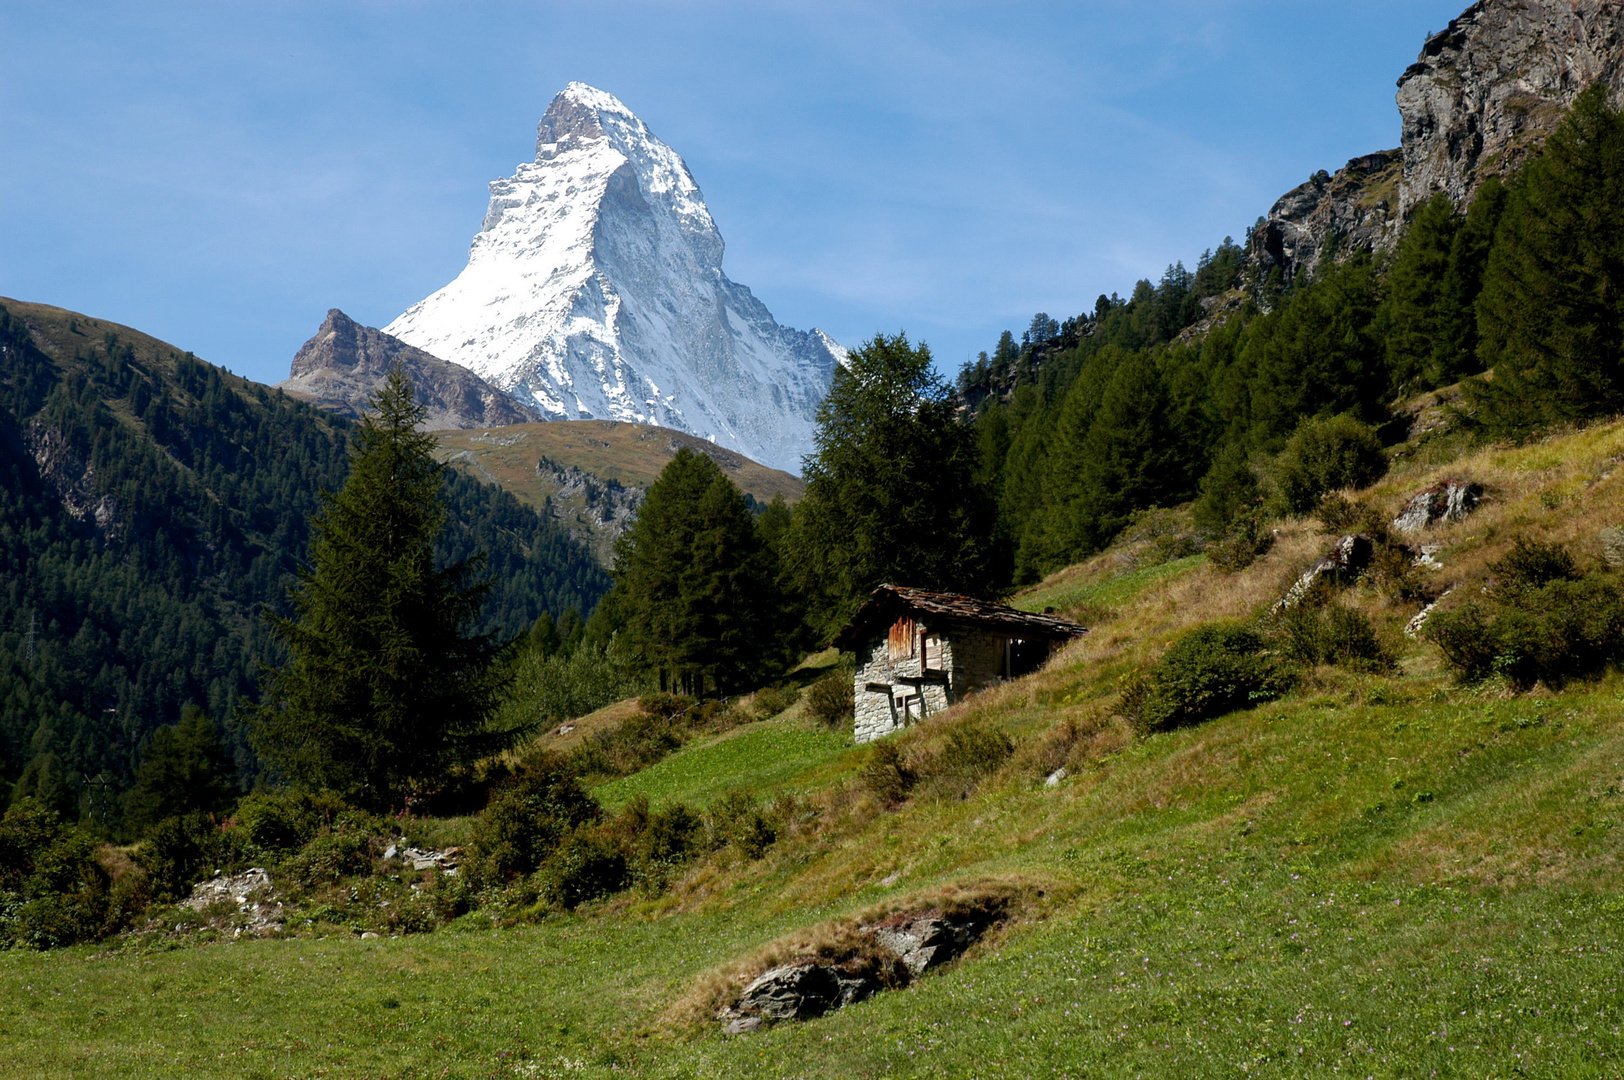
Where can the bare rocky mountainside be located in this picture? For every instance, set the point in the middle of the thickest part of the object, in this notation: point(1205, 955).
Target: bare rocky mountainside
point(1484, 93)
point(344, 363)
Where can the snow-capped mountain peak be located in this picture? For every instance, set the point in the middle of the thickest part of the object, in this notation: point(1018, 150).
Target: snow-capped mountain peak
point(594, 289)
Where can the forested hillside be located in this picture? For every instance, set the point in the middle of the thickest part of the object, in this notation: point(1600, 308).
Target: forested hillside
point(153, 505)
point(1193, 387)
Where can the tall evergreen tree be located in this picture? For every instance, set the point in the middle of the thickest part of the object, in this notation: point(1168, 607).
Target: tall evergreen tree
point(891, 492)
point(695, 583)
point(1418, 305)
point(184, 769)
point(383, 691)
point(1551, 314)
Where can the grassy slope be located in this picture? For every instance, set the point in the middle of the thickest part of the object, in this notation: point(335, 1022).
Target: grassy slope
point(1374, 877)
point(631, 454)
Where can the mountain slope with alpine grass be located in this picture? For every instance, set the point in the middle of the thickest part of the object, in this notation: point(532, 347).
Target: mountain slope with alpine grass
point(1379, 871)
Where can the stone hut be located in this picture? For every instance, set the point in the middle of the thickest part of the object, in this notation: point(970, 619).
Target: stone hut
point(918, 652)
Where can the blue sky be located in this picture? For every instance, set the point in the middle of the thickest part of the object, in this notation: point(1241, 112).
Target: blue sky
point(219, 175)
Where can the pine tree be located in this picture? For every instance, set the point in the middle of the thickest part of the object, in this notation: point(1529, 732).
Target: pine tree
point(695, 585)
point(1551, 314)
point(383, 691)
point(891, 494)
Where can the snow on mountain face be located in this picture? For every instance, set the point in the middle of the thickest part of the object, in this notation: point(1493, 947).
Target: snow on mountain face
point(594, 290)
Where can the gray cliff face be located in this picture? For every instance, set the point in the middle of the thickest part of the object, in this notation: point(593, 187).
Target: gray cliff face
point(1491, 85)
point(344, 364)
point(1356, 208)
point(1483, 95)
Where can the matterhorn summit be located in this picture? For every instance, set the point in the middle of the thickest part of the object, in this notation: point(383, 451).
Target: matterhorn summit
point(594, 290)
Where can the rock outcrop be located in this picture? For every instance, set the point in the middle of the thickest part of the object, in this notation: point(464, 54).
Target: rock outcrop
point(1491, 85)
point(1341, 565)
point(1444, 502)
point(1483, 95)
point(900, 948)
point(344, 364)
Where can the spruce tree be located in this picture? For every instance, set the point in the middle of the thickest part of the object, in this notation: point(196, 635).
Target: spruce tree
point(1551, 314)
point(695, 584)
point(384, 690)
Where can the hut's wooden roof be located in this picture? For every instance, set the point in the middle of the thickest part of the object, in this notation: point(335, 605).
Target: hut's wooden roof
point(948, 611)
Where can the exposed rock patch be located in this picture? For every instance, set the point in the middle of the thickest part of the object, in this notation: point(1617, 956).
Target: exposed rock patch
point(1445, 502)
point(1488, 88)
point(249, 896)
point(70, 476)
point(885, 955)
point(1346, 559)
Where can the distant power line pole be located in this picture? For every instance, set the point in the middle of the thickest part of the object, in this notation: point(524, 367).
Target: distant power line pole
point(28, 649)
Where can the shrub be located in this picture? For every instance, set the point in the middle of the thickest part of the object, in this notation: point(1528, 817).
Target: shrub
point(1325, 454)
point(634, 744)
point(1338, 515)
point(831, 699)
point(736, 819)
point(178, 852)
point(1213, 669)
point(526, 819)
point(585, 866)
point(1246, 541)
point(332, 857)
point(1333, 634)
point(1527, 634)
point(53, 889)
point(1532, 564)
point(886, 775)
point(972, 752)
point(668, 840)
point(769, 701)
point(286, 821)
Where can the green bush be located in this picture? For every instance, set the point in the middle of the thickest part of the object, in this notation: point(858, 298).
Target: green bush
point(1528, 634)
point(1333, 634)
point(1246, 541)
point(526, 819)
point(1533, 564)
point(886, 775)
point(53, 889)
point(587, 865)
point(179, 852)
point(971, 753)
point(1323, 455)
point(1211, 670)
point(286, 821)
point(668, 840)
point(737, 819)
point(331, 857)
point(832, 698)
point(769, 701)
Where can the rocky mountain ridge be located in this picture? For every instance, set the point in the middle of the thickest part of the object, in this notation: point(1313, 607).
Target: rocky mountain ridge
point(1481, 97)
point(344, 363)
point(594, 289)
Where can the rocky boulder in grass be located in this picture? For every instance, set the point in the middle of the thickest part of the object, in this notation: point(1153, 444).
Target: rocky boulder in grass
point(1444, 502)
point(1341, 565)
point(891, 953)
